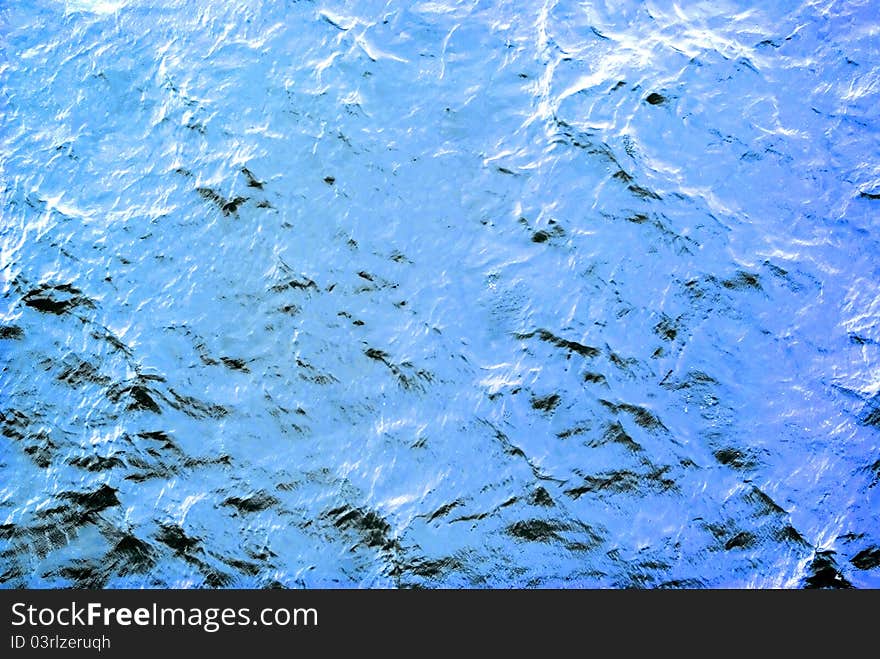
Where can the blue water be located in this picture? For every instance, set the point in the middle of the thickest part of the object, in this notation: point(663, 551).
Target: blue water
point(480, 294)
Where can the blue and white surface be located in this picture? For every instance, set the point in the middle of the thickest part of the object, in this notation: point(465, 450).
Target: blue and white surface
point(474, 294)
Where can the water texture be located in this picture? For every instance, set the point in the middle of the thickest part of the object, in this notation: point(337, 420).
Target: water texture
point(474, 294)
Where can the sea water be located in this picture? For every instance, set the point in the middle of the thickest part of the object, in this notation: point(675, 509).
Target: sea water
point(439, 294)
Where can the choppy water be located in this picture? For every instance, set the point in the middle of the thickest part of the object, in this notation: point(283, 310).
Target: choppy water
point(440, 294)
